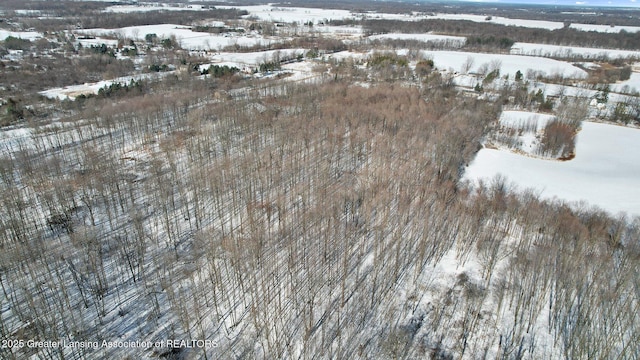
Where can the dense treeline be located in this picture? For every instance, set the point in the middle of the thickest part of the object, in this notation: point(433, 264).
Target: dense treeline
point(585, 15)
point(486, 36)
point(300, 221)
point(96, 18)
point(118, 20)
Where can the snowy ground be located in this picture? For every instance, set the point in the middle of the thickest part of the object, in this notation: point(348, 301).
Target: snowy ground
point(27, 35)
point(537, 24)
point(292, 14)
point(605, 28)
point(275, 13)
point(301, 71)
point(154, 7)
point(428, 38)
point(604, 173)
point(516, 119)
point(338, 31)
point(521, 131)
point(71, 92)
point(508, 64)
point(187, 38)
point(633, 84)
point(97, 41)
point(568, 51)
point(252, 59)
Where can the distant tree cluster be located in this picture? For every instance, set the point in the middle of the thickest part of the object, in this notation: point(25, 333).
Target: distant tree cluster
point(120, 89)
point(220, 71)
point(112, 21)
point(15, 43)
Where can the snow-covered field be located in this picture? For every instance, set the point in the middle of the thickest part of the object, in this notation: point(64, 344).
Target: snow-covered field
point(536, 24)
point(428, 38)
point(568, 51)
point(154, 7)
point(518, 119)
point(71, 92)
point(186, 37)
point(301, 71)
point(523, 130)
point(254, 58)
point(604, 173)
point(631, 85)
point(27, 35)
point(508, 64)
point(340, 31)
point(97, 41)
point(272, 12)
point(317, 15)
point(605, 28)
point(292, 14)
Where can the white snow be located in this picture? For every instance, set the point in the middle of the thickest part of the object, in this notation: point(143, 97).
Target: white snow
point(516, 119)
point(343, 55)
point(429, 38)
point(291, 14)
point(604, 173)
point(97, 41)
point(523, 130)
point(241, 60)
point(605, 28)
point(71, 92)
point(633, 84)
point(145, 7)
point(508, 64)
point(335, 31)
point(301, 71)
point(186, 37)
point(27, 35)
point(568, 51)
point(536, 24)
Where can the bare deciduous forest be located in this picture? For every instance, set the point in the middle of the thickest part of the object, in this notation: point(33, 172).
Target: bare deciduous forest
point(307, 227)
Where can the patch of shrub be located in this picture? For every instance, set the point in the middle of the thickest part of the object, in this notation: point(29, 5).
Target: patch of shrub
point(15, 43)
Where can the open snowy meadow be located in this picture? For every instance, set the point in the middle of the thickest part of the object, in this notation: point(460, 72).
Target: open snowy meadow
point(604, 172)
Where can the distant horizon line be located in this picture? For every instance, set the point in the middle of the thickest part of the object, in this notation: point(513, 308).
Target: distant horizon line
point(632, 4)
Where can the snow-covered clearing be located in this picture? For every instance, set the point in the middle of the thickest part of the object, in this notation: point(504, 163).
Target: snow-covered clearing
point(521, 130)
point(604, 173)
point(457, 41)
point(253, 59)
point(569, 51)
point(345, 32)
point(455, 61)
point(292, 14)
point(186, 37)
point(316, 15)
point(27, 35)
point(536, 24)
point(155, 7)
point(605, 28)
point(344, 55)
point(96, 41)
point(631, 85)
point(301, 71)
point(71, 92)
point(519, 119)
